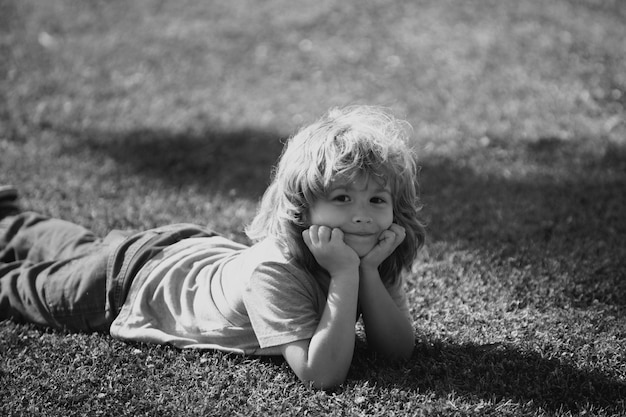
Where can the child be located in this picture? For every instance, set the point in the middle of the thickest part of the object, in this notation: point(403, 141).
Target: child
point(333, 233)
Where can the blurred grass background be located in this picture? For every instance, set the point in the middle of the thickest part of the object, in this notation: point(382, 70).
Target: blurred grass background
point(134, 114)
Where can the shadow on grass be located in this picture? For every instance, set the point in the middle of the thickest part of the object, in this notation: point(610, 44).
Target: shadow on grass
point(560, 201)
point(231, 162)
point(498, 373)
point(566, 219)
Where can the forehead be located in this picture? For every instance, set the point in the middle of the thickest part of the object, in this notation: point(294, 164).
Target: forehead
point(361, 181)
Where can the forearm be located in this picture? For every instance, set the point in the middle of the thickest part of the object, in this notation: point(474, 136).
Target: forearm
point(388, 329)
point(325, 359)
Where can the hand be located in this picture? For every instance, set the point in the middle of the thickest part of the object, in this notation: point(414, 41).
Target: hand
point(329, 249)
point(388, 241)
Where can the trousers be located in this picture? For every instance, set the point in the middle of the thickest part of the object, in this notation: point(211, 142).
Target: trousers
point(59, 274)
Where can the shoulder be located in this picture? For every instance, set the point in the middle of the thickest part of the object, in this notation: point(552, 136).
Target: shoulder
point(267, 261)
point(281, 276)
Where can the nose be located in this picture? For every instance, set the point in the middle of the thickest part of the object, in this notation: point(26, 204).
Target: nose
point(361, 216)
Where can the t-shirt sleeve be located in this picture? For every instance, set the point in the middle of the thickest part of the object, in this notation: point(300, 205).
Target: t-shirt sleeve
point(283, 306)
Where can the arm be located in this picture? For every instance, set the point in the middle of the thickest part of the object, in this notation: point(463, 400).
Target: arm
point(324, 360)
point(388, 330)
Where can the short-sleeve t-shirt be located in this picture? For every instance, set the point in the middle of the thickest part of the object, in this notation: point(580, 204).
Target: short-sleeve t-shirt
point(212, 293)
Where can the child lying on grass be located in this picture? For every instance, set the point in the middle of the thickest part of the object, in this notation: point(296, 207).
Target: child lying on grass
point(334, 231)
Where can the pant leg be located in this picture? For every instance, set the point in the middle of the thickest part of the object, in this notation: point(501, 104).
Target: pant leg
point(38, 238)
point(67, 294)
point(52, 273)
point(59, 274)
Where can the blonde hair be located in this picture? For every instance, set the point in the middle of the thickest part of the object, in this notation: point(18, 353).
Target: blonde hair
point(346, 142)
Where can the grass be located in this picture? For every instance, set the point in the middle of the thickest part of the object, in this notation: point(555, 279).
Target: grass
point(132, 115)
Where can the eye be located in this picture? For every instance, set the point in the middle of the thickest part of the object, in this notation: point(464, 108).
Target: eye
point(342, 198)
point(378, 200)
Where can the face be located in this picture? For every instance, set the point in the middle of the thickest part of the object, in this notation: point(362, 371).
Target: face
point(362, 209)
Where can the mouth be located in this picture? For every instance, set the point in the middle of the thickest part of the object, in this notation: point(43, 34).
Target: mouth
point(361, 235)
point(362, 243)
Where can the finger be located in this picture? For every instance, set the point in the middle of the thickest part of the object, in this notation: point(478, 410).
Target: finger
point(324, 233)
point(399, 231)
point(306, 236)
point(313, 234)
point(336, 235)
point(387, 239)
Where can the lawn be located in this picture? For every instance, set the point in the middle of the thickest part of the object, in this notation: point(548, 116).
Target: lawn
point(130, 115)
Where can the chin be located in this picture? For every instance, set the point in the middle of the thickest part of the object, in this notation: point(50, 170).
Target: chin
point(361, 246)
point(362, 250)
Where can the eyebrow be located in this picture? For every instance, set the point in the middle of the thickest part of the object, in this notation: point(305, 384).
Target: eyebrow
point(349, 187)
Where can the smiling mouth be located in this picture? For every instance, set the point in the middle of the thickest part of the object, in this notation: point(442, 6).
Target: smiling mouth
point(361, 235)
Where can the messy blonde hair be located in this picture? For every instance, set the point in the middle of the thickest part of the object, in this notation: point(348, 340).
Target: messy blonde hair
point(346, 142)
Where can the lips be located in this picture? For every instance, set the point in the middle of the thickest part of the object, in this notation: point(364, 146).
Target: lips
point(362, 235)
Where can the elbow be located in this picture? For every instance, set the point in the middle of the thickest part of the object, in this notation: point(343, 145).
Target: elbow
point(321, 371)
point(324, 377)
point(324, 384)
point(405, 353)
point(406, 348)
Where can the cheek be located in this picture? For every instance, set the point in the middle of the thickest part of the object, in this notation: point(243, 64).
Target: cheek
point(323, 215)
point(388, 219)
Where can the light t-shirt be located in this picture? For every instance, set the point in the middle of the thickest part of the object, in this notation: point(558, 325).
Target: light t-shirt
point(212, 293)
